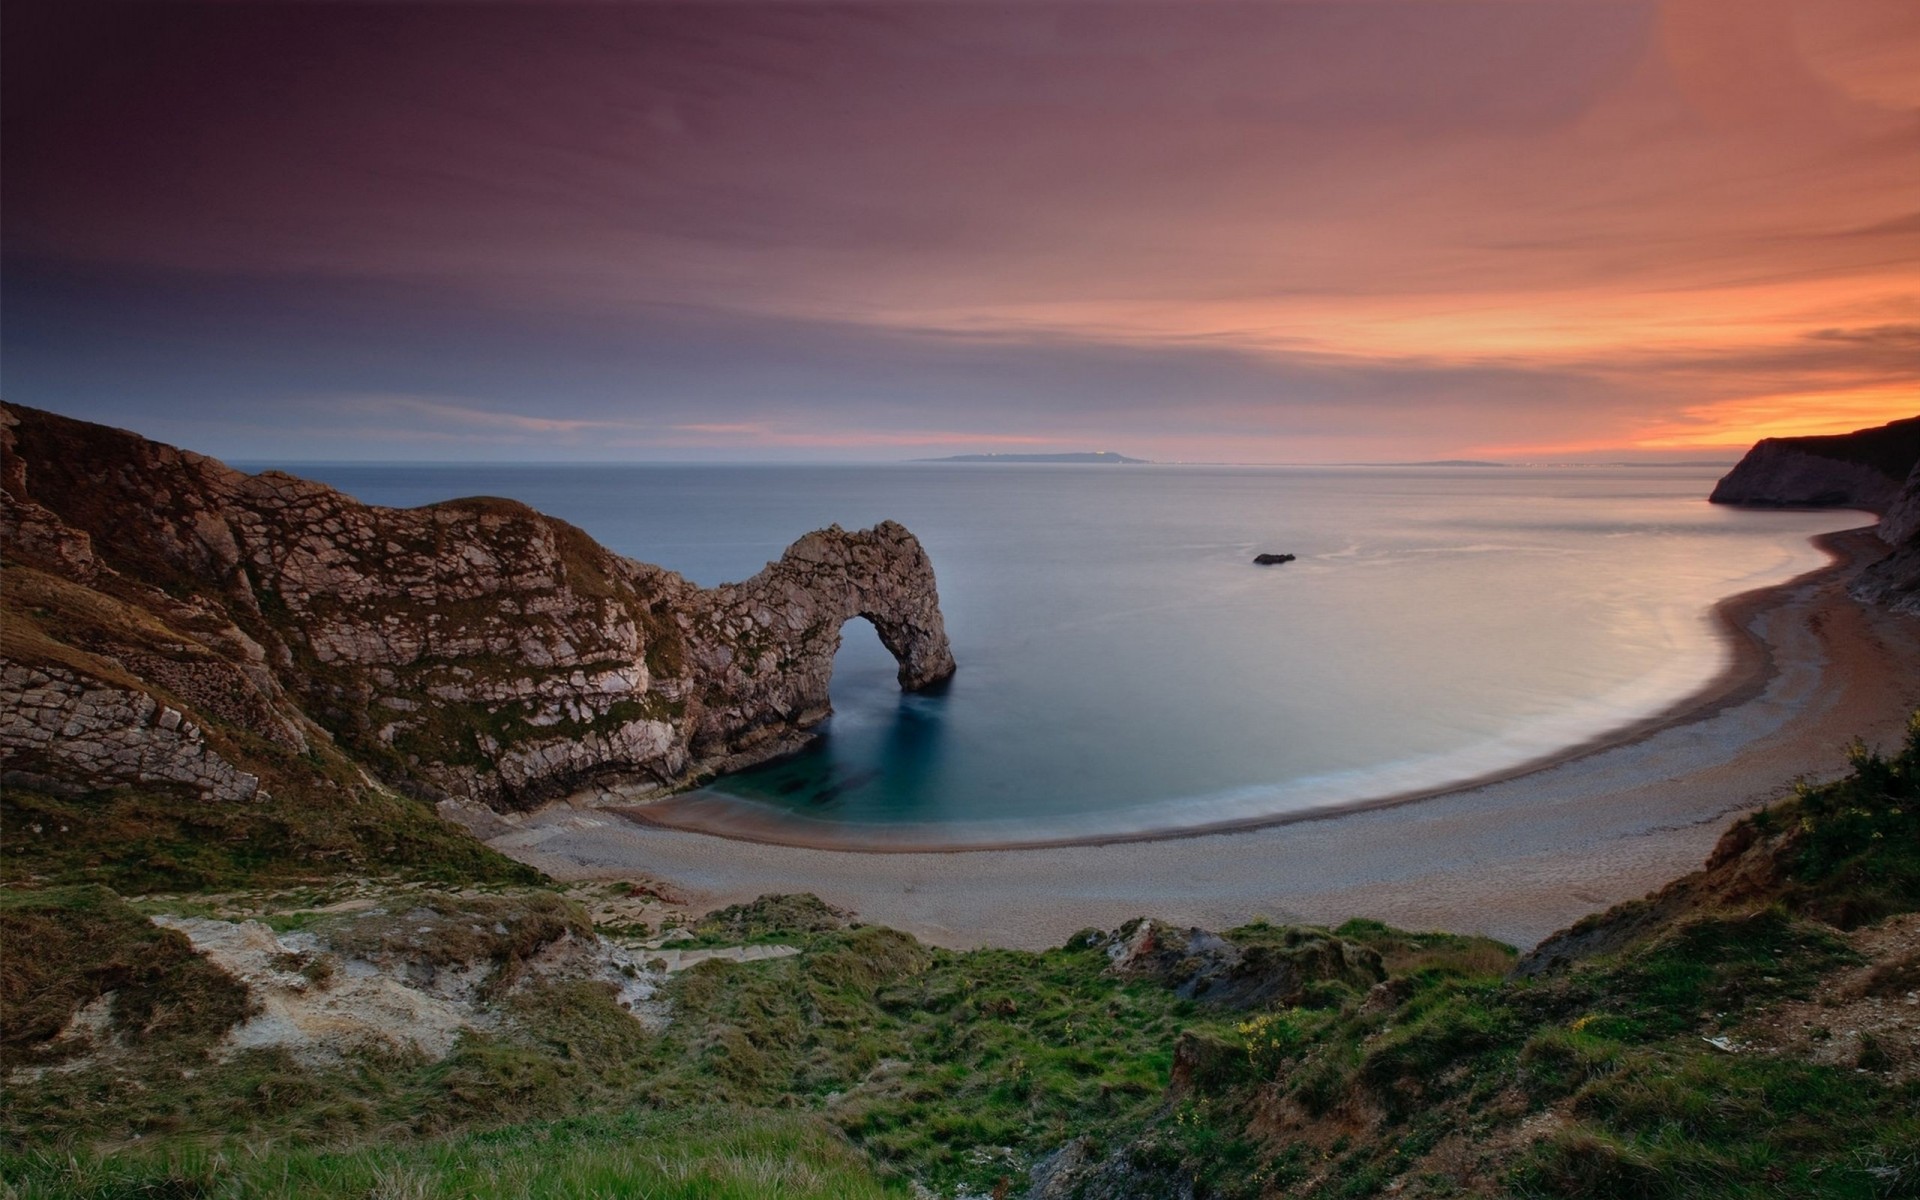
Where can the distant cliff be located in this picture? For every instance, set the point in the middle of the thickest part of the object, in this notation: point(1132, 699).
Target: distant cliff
point(1877, 470)
point(1088, 456)
point(1864, 469)
point(170, 620)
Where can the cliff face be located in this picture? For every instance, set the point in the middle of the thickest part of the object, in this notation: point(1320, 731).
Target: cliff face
point(1901, 524)
point(1864, 469)
point(1895, 580)
point(170, 618)
point(1874, 469)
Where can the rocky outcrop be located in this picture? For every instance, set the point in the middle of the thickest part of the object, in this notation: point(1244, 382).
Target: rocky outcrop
point(1895, 580)
point(474, 650)
point(1239, 970)
point(1873, 469)
point(1864, 469)
point(1901, 523)
point(402, 976)
point(57, 724)
point(1079, 1171)
point(762, 651)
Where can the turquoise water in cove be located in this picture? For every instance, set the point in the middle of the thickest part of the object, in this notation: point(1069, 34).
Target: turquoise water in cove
point(1123, 665)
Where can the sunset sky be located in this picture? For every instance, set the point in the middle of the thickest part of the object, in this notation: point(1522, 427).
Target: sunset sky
point(1292, 231)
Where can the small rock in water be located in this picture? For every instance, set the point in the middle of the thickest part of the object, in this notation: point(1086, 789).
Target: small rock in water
point(1271, 560)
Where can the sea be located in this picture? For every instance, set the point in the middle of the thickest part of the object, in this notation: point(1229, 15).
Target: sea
point(1125, 668)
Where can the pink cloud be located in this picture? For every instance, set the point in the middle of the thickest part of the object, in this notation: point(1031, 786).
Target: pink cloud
point(1662, 198)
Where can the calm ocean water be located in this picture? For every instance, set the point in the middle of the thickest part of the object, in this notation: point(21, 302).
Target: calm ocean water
point(1124, 667)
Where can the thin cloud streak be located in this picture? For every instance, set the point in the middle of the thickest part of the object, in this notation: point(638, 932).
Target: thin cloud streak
point(464, 415)
point(1232, 231)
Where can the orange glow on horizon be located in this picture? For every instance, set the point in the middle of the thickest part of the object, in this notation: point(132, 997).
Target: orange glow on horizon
point(1740, 423)
point(1238, 233)
point(1737, 424)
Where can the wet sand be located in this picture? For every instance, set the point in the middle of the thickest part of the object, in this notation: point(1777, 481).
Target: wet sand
point(1514, 857)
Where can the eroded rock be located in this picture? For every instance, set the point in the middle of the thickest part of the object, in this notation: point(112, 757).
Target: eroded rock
point(1895, 580)
point(1864, 469)
point(474, 650)
point(1874, 469)
point(1240, 972)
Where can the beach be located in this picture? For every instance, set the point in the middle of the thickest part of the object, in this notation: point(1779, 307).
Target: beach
point(1514, 857)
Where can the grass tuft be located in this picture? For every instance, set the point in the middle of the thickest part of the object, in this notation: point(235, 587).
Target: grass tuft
point(66, 949)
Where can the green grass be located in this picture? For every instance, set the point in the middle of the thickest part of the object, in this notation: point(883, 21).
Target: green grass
point(560, 1047)
point(1708, 967)
point(923, 1058)
point(1676, 1123)
point(1659, 1112)
point(927, 1057)
point(698, 1154)
point(770, 919)
point(66, 948)
point(1451, 1046)
point(868, 1060)
point(1856, 853)
point(1616, 1045)
point(897, 1061)
point(160, 839)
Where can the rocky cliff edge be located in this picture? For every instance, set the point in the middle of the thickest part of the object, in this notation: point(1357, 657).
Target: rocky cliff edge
point(1864, 469)
point(171, 621)
point(1877, 470)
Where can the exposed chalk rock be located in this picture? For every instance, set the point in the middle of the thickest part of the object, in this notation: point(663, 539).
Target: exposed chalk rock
point(1874, 469)
point(1901, 524)
point(474, 649)
point(1865, 469)
point(1895, 580)
point(62, 725)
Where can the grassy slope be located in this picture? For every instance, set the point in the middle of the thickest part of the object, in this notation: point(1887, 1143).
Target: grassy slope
point(868, 1059)
point(1610, 1055)
point(695, 1154)
point(154, 838)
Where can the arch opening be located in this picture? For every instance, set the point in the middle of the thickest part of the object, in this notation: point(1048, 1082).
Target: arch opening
point(864, 674)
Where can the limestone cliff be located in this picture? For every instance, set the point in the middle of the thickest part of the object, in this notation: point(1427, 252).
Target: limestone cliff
point(1864, 469)
point(1873, 469)
point(170, 619)
point(1895, 579)
point(1901, 523)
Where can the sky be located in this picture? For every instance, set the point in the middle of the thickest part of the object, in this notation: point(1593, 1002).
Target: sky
point(1313, 231)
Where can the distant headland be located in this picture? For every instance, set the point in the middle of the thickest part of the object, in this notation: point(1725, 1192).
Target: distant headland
point(1438, 462)
point(1091, 456)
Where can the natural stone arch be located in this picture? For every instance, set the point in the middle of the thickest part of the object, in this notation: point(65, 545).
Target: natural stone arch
point(473, 650)
point(769, 643)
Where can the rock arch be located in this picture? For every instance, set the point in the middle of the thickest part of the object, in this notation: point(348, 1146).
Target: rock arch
point(473, 650)
point(766, 646)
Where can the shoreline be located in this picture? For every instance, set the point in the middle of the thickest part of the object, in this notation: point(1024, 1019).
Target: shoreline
point(1744, 676)
point(1517, 854)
